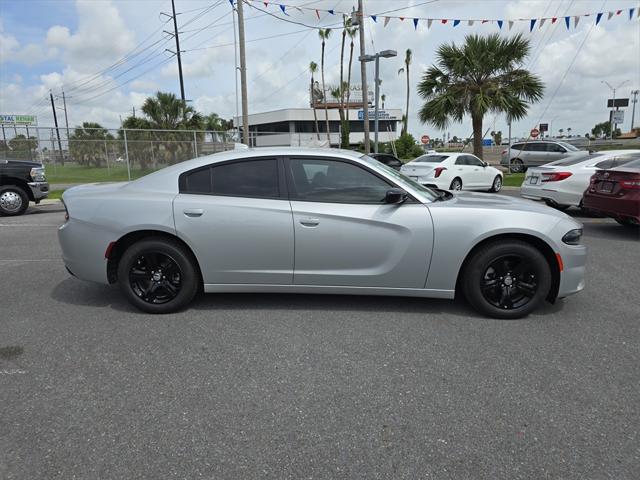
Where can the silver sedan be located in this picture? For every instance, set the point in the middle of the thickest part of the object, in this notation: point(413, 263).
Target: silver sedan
point(315, 221)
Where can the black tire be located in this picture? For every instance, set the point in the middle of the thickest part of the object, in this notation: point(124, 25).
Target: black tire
point(143, 270)
point(456, 184)
point(557, 206)
point(496, 186)
point(627, 222)
point(13, 201)
point(522, 289)
point(517, 166)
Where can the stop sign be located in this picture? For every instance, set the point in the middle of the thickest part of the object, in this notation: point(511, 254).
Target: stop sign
point(425, 139)
point(534, 132)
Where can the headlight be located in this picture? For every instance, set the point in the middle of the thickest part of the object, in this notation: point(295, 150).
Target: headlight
point(37, 174)
point(572, 237)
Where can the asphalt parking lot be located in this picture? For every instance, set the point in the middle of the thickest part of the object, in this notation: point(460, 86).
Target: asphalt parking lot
point(297, 386)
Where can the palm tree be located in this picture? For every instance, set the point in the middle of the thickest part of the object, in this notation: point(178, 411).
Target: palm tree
point(166, 112)
point(569, 132)
point(560, 131)
point(407, 61)
point(324, 33)
point(351, 32)
point(483, 75)
point(383, 97)
point(313, 68)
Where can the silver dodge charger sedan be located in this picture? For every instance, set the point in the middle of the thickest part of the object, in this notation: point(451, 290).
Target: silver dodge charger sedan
point(315, 221)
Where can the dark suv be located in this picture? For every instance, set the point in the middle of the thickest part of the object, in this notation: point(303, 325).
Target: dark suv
point(21, 182)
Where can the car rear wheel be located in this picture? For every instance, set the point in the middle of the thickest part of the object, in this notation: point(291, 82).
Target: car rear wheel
point(497, 184)
point(13, 200)
point(557, 206)
point(158, 275)
point(517, 166)
point(456, 184)
point(506, 280)
point(627, 222)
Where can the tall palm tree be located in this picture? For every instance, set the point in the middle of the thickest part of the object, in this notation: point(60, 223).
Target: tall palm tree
point(346, 24)
point(166, 112)
point(313, 68)
point(483, 75)
point(324, 33)
point(407, 61)
point(383, 97)
point(351, 32)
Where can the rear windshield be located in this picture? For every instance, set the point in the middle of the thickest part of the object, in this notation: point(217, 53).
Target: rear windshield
point(575, 159)
point(569, 147)
point(430, 159)
point(632, 164)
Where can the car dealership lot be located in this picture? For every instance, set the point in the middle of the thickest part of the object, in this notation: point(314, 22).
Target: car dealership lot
point(298, 386)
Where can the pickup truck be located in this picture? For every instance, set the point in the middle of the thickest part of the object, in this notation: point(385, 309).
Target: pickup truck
point(20, 183)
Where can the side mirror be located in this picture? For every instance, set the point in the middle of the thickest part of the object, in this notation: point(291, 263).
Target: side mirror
point(485, 164)
point(395, 195)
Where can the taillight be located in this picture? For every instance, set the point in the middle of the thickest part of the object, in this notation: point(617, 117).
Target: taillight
point(66, 212)
point(438, 171)
point(555, 176)
point(503, 152)
point(630, 184)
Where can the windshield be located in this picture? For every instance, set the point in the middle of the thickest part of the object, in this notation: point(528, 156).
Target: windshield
point(430, 194)
point(430, 159)
point(569, 147)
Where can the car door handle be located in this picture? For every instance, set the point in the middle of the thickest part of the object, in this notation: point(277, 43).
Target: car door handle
point(309, 222)
point(193, 212)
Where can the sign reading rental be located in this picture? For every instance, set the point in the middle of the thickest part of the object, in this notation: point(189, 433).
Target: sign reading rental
point(18, 119)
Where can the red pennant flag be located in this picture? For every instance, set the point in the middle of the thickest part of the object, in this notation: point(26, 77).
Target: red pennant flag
point(554, 19)
point(484, 21)
point(402, 19)
point(444, 20)
point(266, 4)
point(318, 14)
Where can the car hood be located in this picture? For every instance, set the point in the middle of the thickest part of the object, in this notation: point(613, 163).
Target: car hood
point(500, 202)
point(21, 163)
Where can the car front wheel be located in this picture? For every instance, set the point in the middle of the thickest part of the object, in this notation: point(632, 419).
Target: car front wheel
point(13, 201)
point(497, 184)
point(456, 184)
point(517, 166)
point(158, 275)
point(506, 280)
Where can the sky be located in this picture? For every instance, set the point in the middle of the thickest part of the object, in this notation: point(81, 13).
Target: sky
point(109, 55)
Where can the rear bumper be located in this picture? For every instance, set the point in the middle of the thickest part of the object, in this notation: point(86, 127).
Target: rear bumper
point(83, 247)
point(533, 192)
point(39, 190)
point(613, 207)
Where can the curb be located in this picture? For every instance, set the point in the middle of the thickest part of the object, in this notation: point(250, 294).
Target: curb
point(50, 201)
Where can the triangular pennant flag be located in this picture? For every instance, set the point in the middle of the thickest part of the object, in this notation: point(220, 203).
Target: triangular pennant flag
point(567, 21)
point(485, 21)
point(443, 21)
point(415, 23)
point(456, 23)
point(500, 22)
point(298, 9)
point(429, 22)
point(598, 17)
point(554, 20)
point(266, 4)
point(610, 15)
point(331, 12)
point(282, 7)
point(374, 18)
point(386, 21)
point(510, 24)
point(470, 23)
point(402, 19)
point(576, 19)
point(532, 24)
point(231, 2)
point(317, 14)
point(631, 13)
point(618, 12)
point(542, 20)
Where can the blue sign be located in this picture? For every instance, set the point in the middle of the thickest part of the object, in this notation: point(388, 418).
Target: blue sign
point(382, 115)
point(487, 142)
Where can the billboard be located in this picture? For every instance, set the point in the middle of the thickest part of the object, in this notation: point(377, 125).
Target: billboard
point(355, 95)
point(18, 119)
point(619, 102)
point(382, 115)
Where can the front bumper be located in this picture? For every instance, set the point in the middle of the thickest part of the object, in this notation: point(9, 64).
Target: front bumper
point(39, 190)
point(572, 277)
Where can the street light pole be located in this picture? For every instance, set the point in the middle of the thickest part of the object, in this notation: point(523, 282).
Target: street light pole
point(633, 109)
point(375, 111)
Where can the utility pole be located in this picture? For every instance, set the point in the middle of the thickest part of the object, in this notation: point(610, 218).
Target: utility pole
point(55, 120)
point(66, 119)
point(133, 110)
point(175, 29)
point(633, 109)
point(363, 74)
point(235, 59)
point(243, 75)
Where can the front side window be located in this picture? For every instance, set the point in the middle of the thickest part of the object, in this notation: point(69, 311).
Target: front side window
point(333, 181)
point(473, 161)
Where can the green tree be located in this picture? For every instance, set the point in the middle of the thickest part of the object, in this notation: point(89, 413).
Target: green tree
point(603, 129)
point(313, 68)
point(406, 147)
point(88, 144)
point(483, 75)
point(22, 147)
point(351, 32)
point(166, 112)
point(407, 61)
point(497, 137)
point(324, 34)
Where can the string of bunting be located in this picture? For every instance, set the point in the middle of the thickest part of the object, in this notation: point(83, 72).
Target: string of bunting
point(385, 19)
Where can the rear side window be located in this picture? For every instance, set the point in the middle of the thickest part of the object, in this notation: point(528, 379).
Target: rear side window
point(250, 178)
point(461, 160)
point(431, 158)
point(535, 147)
point(554, 148)
point(517, 146)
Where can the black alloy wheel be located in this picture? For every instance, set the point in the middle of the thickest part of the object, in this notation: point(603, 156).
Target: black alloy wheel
point(156, 278)
point(509, 282)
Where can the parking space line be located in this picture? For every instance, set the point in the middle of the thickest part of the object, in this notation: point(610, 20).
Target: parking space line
point(29, 224)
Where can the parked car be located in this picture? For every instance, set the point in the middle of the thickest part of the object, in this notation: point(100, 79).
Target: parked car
point(223, 223)
point(523, 155)
point(387, 159)
point(561, 183)
point(453, 171)
point(615, 193)
point(20, 183)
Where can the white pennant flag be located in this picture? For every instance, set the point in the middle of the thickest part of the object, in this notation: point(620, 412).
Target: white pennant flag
point(576, 19)
point(429, 22)
point(510, 24)
point(298, 9)
point(610, 15)
point(542, 20)
point(386, 21)
point(470, 23)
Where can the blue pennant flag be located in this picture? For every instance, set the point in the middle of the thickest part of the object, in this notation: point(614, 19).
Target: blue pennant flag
point(533, 24)
point(331, 12)
point(631, 13)
point(456, 23)
point(374, 18)
point(567, 21)
point(231, 2)
point(415, 23)
point(598, 17)
point(282, 7)
point(500, 22)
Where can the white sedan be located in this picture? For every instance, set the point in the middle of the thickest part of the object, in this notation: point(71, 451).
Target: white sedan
point(453, 171)
point(560, 184)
